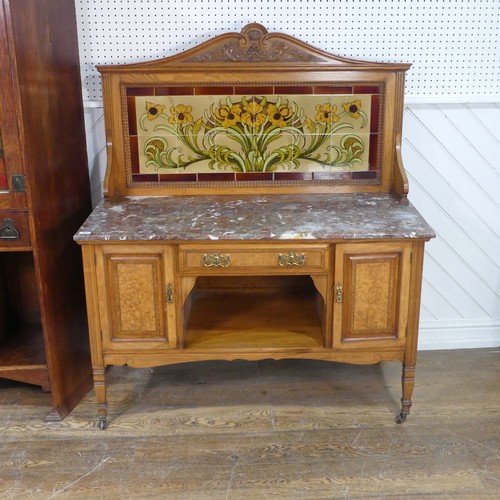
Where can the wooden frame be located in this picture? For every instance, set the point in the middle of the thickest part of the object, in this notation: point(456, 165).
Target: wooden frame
point(253, 58)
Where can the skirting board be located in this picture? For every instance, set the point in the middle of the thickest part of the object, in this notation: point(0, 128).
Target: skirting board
point(467, 334)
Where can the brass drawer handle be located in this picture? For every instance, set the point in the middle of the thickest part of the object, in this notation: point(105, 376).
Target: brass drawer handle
point(291, 259)
point(216, 260)
point(8, 231)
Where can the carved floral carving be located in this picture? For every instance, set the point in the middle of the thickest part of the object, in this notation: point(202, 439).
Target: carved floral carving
point(254, 44)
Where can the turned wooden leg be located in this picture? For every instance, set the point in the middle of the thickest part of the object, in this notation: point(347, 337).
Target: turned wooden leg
point(410, 359)
point(408, 382)
point(100, 393)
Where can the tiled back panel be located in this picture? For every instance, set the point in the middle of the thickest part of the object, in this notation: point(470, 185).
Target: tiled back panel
point(195, 134)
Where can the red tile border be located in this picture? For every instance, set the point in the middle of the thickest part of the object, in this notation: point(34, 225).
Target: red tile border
point(165, 91)
point(174, 177)
point(134, 155)
point(140, 91)
point(216, 177)
point(332, 90)
point(145, 178)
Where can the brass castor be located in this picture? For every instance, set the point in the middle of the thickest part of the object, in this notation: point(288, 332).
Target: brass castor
point(103, 423)
point(401, 417)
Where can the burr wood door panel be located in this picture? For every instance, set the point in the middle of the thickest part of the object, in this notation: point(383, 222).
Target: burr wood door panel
point(371, 294)
point(135, 296)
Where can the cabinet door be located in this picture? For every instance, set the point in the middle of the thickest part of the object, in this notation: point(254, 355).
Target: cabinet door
point(135, 286)
point(12, 192)
point(371, 294)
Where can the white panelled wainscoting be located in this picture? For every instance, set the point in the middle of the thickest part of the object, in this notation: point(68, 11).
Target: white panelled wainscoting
point(452, 156)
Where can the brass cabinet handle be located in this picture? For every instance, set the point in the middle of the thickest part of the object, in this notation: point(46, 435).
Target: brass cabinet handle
point(170, 293)
point(8, 231)
point(216, 260)
point(339, 294)
point(291, 259)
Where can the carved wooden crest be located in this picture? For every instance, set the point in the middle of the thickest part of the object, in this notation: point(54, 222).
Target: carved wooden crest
point(255, 44)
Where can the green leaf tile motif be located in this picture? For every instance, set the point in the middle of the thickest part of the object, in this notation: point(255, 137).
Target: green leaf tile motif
point(253, 133)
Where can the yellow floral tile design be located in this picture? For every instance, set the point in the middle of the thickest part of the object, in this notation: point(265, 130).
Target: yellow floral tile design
point(270, 133)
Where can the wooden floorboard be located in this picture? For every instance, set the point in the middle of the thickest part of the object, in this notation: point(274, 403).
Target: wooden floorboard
point(269, 429)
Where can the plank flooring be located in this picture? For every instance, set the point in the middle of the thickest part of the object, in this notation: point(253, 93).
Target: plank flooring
point(269, 429)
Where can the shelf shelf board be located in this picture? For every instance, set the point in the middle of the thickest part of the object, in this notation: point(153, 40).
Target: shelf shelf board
point(282, 319)
point(22, 355)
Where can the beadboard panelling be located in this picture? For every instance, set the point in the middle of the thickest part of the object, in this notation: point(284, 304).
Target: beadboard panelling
point(452, 155)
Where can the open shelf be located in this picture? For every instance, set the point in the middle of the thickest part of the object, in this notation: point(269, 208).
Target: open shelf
point(22, 346)
point(270, 318)
point(22, 356)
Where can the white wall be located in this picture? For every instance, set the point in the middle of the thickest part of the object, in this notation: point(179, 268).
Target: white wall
point(451, 131)
point(452, 155)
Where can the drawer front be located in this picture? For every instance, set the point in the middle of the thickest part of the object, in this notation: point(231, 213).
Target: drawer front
point(14, 231)
point(252, 259)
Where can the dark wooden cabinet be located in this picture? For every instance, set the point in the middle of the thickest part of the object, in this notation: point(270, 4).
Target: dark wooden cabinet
point(44, 197)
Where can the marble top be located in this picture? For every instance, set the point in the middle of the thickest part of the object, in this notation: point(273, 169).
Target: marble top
point(359, 216)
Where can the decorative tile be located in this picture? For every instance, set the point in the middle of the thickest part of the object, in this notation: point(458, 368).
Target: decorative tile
point(158, 153)
point(175, 177)
point(254, 176)
point(373, 151)
point(132, 115)
point(136, 91)
point(175, 91)
point(369, 174)
point(294, 90)
point(145, 178)
point(212, 134)
point(374, 115)
point(255, 90)
point(366, 89)
point(331, 89)
point(350, 150)
point(214, 91)
point(134, 156)
point(216, 177)
point(354, 110)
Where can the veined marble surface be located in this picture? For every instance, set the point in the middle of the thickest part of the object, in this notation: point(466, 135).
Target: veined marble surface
point(357, 216)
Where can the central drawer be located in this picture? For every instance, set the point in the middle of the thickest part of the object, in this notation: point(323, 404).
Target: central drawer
point(253, 259)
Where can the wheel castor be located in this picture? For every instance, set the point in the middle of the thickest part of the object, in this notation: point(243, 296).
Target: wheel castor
point(401, 417)
point(103, 422)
